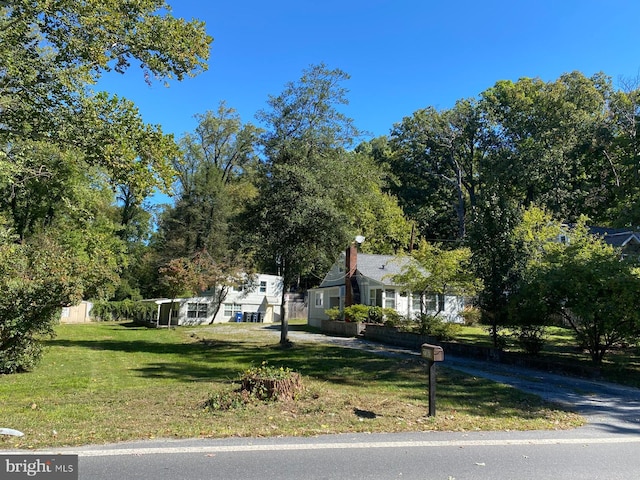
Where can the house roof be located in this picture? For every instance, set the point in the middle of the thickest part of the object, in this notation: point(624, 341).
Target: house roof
point(616, 237)
point(381, 267)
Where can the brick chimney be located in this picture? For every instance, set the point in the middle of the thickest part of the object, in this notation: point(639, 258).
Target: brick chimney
point(351, 264)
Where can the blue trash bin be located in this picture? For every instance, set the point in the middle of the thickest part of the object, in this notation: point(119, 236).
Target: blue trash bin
point(238, 316)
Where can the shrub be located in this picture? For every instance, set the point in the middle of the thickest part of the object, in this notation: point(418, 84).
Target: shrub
point(531, 338)
point(471, 316)
point(123, 310)
point(376, 315)
point(434, 326)
point(224, 401)
point(356, 313)
point(36, 281)
point(334, 314)
point(392, 317)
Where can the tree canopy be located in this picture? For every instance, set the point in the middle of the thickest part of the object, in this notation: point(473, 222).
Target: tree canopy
point(65, 149)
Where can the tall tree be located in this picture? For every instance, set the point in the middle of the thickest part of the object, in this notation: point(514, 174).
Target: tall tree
point(437, 154)
point(59, 142)
point(214, 184)
point(542, 141)
point(371, 211)
point(619, 142)
point(301, 226)
point(495, 256)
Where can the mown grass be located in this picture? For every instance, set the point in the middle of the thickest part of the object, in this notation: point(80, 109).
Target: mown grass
point(620, 365)
point(103, 383)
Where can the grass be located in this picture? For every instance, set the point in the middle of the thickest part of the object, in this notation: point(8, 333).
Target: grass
point(621, 365)
point(112, 382)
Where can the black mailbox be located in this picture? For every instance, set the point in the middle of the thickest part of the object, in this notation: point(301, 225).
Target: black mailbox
point(433, 353)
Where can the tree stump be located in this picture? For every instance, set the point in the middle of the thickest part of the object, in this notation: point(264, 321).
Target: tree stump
point(273, 389)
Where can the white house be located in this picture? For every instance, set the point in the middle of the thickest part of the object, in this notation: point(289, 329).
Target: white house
point(367, 279)
point(259, 302)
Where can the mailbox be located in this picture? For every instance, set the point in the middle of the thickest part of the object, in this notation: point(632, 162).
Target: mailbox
point(433, 353)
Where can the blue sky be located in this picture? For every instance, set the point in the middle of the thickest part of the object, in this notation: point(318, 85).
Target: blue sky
point(402, 55)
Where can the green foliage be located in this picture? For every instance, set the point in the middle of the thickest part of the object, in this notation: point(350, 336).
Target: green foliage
point(65, 149)
point(587, 285)
point(36, 281)
point(434, 270)
point(531, 338)
point(214, 186)
point(357, 313)
point(375, 315)
point(364, 313)
point(495, 256)
point(436, 156)
point(391, 317)
point(123, 310)
point(471, 316)
point(434, 326)
point(267, 372)
point(301, 222)
point(370, 211)
point(226, 400)
point(334, 314)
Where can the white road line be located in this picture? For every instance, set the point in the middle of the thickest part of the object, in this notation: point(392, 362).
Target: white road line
point(331, 446)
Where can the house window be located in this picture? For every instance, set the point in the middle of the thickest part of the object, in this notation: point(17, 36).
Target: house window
point(263, 287)
point(237, 288)
point(230, 309)
point(430, 303)
point(197, 310)
point(415, 302)
point(434, 303)
point(319, 299)
point(390, 299)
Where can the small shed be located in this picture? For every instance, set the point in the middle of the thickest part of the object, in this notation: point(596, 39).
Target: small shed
point(77, 313)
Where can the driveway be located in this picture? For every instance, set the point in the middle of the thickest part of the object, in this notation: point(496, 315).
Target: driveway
point(609, 408)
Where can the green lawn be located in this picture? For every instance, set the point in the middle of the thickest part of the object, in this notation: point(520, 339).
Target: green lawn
point(620, 365)
point(114, 382)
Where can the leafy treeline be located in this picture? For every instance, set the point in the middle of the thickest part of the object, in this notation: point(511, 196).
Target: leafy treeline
point(65, 150)
point(569, 145)
point(76, 167)
point(473, 174)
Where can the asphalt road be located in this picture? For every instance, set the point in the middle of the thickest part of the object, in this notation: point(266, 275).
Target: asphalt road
point(419, 456)
point(608, 447)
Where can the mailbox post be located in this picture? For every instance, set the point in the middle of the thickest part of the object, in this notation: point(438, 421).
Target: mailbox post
point(433, 354)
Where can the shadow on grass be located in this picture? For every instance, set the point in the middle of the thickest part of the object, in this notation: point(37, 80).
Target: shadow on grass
point(219, 360)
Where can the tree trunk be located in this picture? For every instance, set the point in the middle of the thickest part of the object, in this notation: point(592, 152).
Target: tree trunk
point(460, 207)
point(284, 322)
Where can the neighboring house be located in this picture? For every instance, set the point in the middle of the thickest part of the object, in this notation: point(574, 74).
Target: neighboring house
point(76, 313)
point(258, 303)
point(367, 279)
point(624, 239)
point(628, 241)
